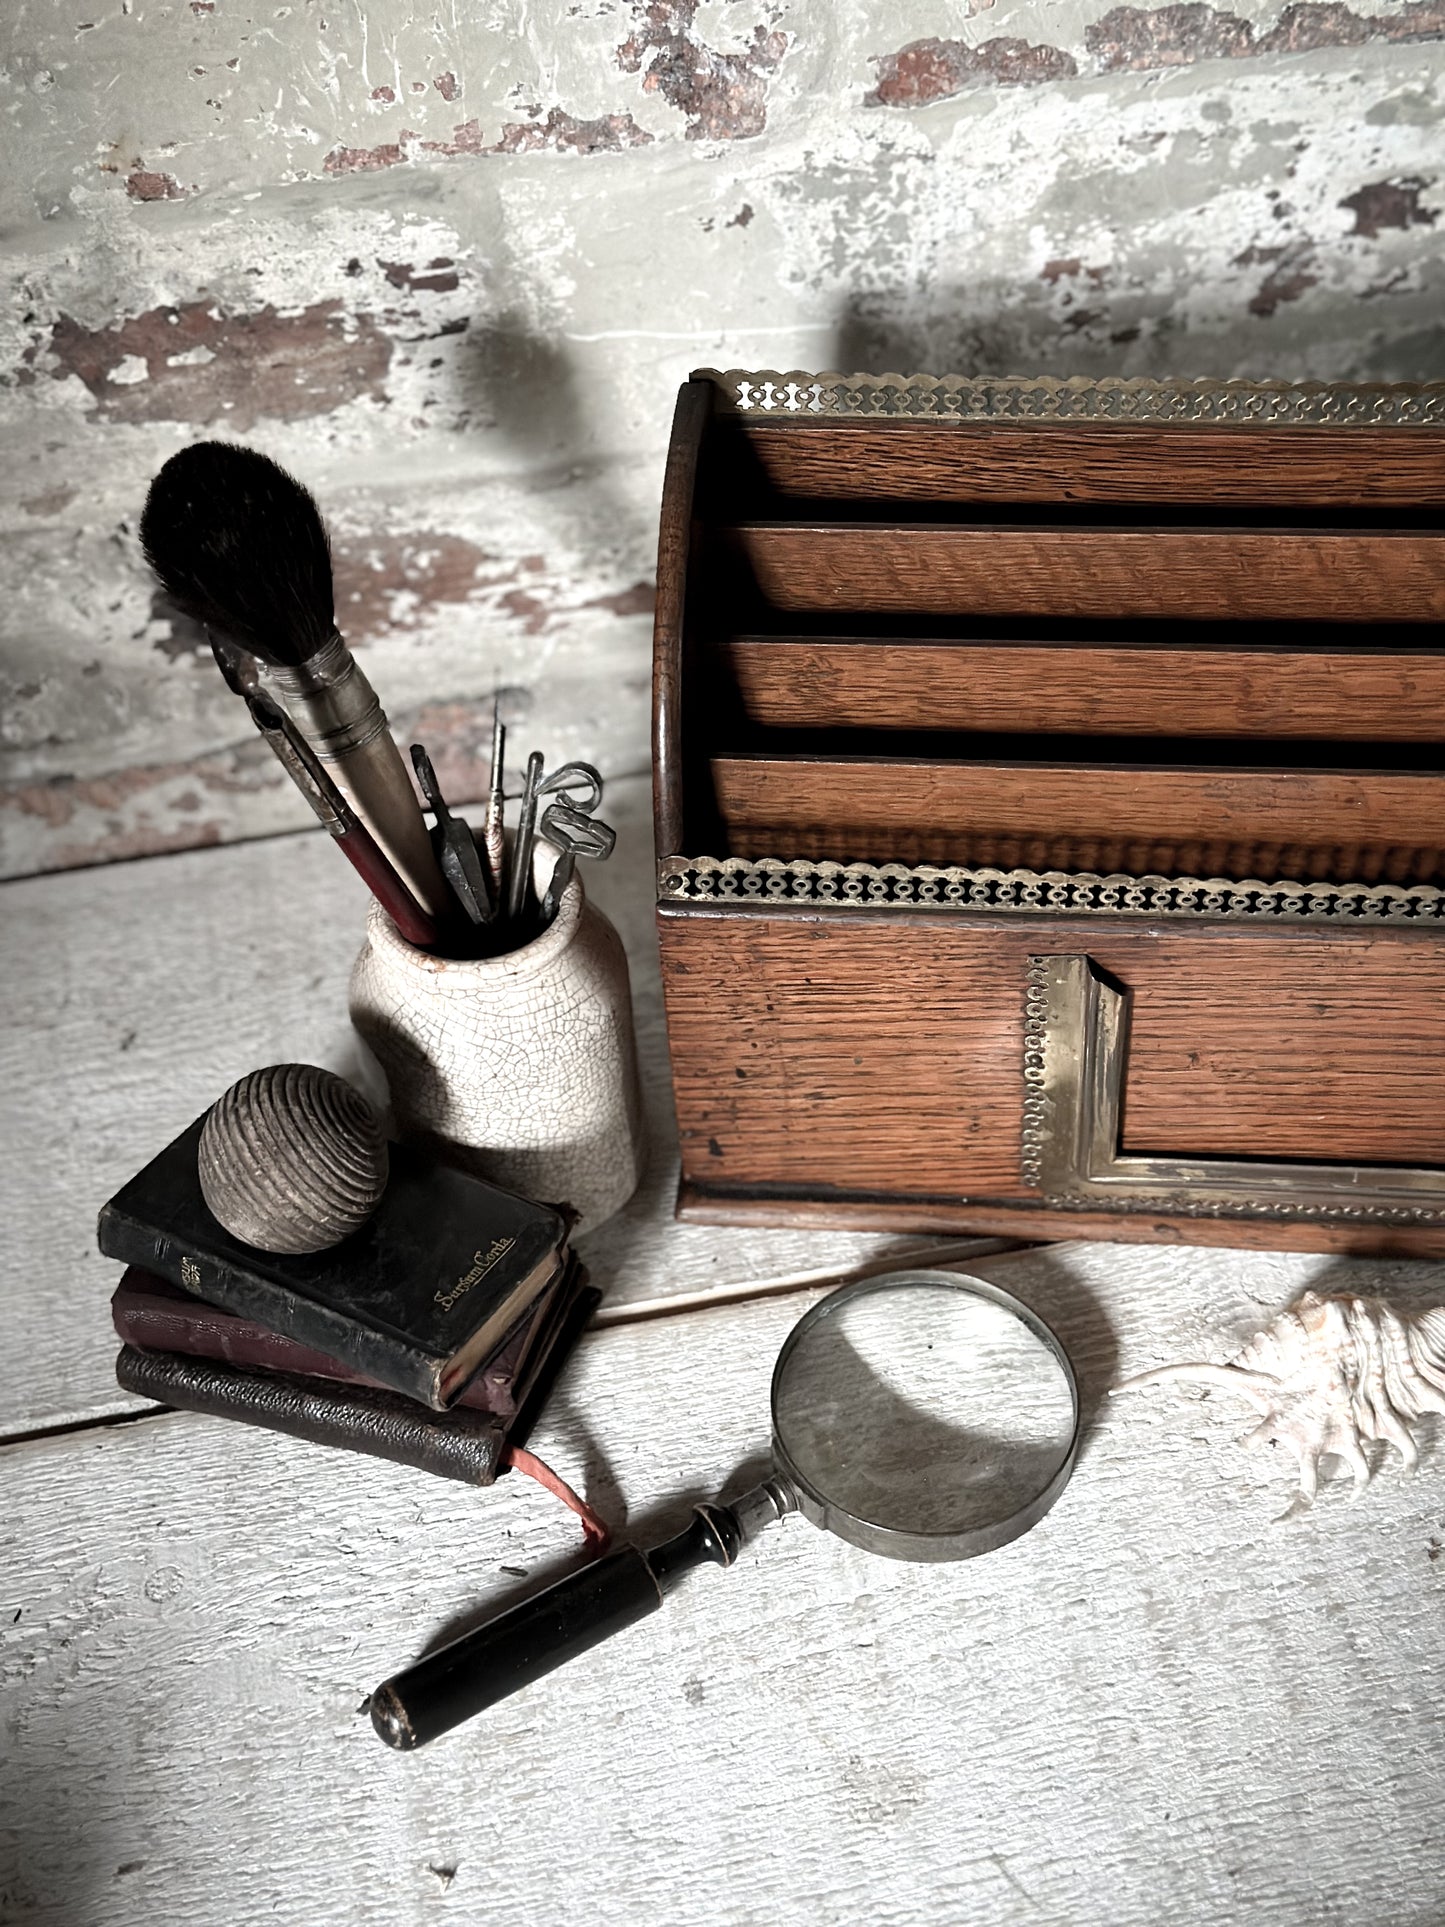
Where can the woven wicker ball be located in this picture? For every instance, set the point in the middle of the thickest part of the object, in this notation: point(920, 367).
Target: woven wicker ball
point(291, 1159)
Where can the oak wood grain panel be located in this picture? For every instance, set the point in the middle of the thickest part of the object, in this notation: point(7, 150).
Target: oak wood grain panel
point(975, 462)
point(871, 1053)
point(1284, 1048)
point(1215, 574)
point(1367, 694)
point(702, 1204)
point(1266, 823)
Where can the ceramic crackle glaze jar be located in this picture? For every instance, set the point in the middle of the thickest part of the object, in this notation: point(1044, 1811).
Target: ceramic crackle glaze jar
point(520, 1067)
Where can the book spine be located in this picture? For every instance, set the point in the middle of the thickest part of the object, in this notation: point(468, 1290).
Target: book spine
point(250, 1294)
point(357, 1418)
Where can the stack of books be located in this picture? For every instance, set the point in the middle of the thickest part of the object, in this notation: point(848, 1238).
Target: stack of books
point(430, 1336)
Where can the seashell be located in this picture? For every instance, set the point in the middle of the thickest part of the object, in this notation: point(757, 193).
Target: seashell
point(1329, 1375)
point(291, 1159)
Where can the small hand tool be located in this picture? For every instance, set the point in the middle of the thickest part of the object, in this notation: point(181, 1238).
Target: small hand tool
point(494, 829)
point(575, 834)
point(521, 873)
point(575, 776)
point(455, 847)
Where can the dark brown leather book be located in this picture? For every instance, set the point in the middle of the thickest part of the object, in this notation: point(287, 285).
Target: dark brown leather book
point(417, 1299)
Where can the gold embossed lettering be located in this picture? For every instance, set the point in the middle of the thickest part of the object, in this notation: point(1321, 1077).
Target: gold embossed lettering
point(482, 1263)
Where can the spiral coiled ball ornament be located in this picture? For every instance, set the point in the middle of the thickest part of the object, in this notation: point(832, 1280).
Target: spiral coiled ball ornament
point(292, 1159)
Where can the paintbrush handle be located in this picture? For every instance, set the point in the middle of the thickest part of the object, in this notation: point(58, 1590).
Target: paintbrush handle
point(357, 844)
point(336, 709)
point(375, 868)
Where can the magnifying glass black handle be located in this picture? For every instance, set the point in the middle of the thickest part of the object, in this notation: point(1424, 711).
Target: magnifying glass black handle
point(543, 1632)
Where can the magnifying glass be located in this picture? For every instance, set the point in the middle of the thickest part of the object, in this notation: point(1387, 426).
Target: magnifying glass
point(923, 1415)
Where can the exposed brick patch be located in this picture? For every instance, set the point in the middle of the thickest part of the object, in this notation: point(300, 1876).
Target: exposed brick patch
point(639, 600)
point(409, 146)
point(927, 70)
point(560, 131)
point(1384, 204)
point(437, 277)
point(1290, 274)
point(386, 95)
point(743, 216)
point(151, 809)
point(387, 582)
point(193, 364)
point(608, 134)
point(1056, 271)
point(363, 160)
point(532, 612)
point(142, 185)
point(724, 96)
point(465, 139)
point(1140, 38)
point(1301, 29)
point(59, 802)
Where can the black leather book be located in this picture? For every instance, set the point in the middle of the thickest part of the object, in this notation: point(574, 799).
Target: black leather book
point(416, 1299)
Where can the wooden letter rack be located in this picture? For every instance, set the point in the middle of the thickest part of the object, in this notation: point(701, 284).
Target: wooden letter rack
point(1050, 808)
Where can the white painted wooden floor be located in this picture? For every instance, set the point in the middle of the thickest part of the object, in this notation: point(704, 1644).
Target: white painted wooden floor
point(1165, 1702)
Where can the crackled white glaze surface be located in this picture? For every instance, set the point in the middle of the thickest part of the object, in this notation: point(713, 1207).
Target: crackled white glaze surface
point(523, 1065)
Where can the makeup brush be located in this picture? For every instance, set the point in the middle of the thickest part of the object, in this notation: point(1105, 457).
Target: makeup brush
point(240, 545)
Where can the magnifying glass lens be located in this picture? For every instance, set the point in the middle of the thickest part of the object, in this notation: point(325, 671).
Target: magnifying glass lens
point(927, 1410)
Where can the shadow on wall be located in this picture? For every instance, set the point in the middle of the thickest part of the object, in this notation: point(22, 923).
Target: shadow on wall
point(526, 389)
point(1073, 323)
point(527, 392)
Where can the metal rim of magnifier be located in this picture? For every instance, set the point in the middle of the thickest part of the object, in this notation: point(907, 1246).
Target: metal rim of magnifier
point(893, 1542)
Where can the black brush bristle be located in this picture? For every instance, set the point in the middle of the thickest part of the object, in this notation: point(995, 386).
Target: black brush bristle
point(240, 545)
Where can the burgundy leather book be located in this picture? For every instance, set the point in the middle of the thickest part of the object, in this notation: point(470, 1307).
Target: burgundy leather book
point(152, 1315)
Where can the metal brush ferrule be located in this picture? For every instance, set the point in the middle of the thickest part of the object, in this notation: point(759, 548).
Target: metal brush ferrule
point(333, 701)
point(336, 710)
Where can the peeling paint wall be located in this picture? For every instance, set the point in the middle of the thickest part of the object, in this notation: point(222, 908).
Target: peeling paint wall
point(449, 264)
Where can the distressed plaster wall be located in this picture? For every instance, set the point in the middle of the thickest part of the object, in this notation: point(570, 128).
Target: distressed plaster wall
point(449, 261)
